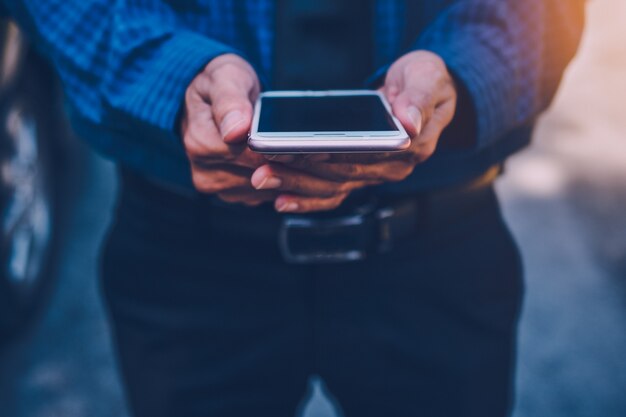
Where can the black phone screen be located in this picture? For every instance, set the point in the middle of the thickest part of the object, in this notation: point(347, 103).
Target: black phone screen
point(358, 113)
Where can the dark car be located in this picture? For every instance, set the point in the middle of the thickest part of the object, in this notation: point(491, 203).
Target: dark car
point(31, 132)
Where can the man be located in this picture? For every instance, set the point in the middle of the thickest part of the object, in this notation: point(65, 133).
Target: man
point(212, 316)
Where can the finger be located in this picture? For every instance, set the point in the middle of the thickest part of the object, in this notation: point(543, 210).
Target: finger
point(297, 204)
point(232, 110)
point(276, 177)
point(390, 91)
point(424, 148)
point(205, 147)
point(371, 173)
point(383, 171)
point(219, 178)
point(247, 196)
point(202, 138)
point(250, 159)
point(233, 87)
point(364, 158)
point(424, 83)
point(413, 108)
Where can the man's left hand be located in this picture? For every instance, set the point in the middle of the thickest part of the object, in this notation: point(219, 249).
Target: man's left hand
point(423, 97)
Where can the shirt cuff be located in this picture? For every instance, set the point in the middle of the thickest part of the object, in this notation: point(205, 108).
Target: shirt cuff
point(158, 98)
point(484, 75)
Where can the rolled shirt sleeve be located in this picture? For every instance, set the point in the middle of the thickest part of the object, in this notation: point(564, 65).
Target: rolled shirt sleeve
point(510, 55)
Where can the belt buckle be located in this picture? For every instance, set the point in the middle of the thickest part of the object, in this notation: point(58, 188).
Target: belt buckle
point(302, 231)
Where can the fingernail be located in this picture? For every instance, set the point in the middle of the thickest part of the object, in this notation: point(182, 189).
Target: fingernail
point(230, 122)
point(269, 183)
point(416, 118)
point(287, 206)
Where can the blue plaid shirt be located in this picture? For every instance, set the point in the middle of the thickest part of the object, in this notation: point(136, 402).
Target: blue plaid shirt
point(125, 66)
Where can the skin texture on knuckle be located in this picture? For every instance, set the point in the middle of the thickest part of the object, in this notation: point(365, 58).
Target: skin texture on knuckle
point(200, 149)
point(203, 182)
point(349, 171)
point(294, 183)
point(234, 77)
point(199, 88)
point(310, 186)
point(250, 159)
point(215, 180)
point(194, 147)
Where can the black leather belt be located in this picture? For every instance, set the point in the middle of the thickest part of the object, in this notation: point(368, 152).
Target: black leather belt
point(372, 227)
point(347, 235)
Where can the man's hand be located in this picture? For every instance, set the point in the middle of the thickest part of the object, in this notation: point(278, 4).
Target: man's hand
point(215, 123)
point(423, 97)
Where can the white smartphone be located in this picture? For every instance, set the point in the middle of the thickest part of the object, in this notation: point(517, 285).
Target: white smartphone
point(347, 121)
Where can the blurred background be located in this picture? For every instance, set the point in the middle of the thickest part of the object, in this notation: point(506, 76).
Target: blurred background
point(565, 199)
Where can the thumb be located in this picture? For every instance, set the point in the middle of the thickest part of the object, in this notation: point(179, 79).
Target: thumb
point(412, 109)
point(232, 111)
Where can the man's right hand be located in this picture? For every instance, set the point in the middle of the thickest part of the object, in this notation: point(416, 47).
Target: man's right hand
point(215, 123)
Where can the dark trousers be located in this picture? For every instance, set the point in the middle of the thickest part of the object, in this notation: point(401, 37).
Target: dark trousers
point(215, 324)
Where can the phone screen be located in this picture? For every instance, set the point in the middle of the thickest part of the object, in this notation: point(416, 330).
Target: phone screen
point(358, 113)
